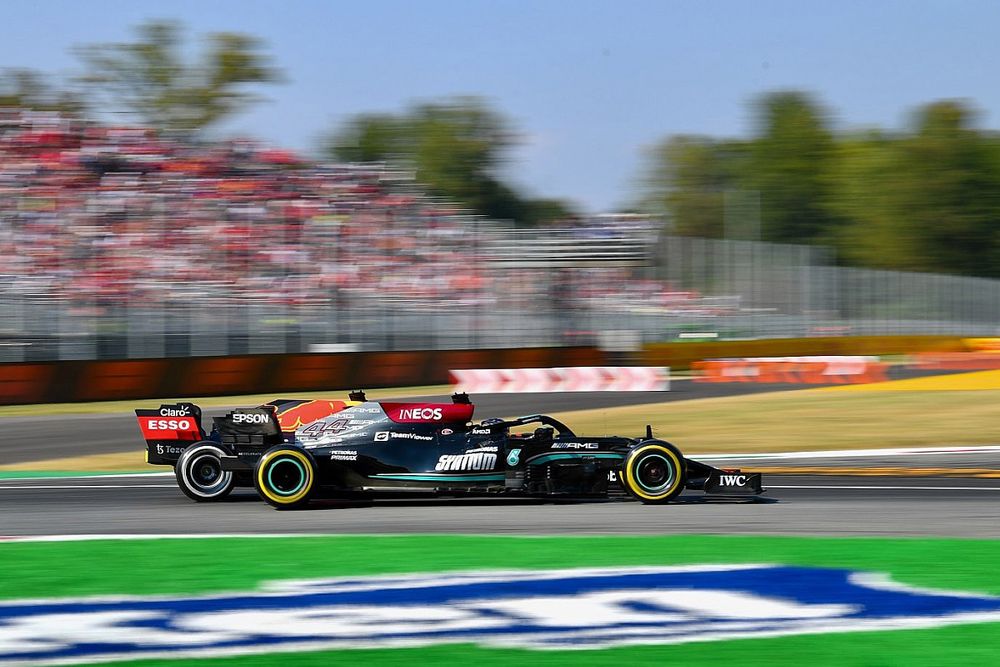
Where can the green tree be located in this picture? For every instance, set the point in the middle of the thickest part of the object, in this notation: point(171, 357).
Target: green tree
point(921, 201)
point(789, 161)
point(543, 210)
point(458, 148)
point(24, 88)
point(367, 138)
point(686, 182)
point(868, 181)
point(150, 78)
point(951, 191)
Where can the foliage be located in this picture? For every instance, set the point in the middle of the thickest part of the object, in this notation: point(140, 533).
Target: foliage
point(689, 182)
point(23, 88)
point(925, 199)
point(149, 76)
point(458, 148)
point(789, 160)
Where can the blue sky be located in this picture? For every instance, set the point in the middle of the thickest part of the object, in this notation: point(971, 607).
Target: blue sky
point(589, 84)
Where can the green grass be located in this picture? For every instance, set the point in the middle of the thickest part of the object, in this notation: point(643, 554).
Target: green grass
point(216, 564)
point(957, 646)
point(33, 569)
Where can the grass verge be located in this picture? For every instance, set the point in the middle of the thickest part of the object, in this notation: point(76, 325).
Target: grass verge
point(191, 566)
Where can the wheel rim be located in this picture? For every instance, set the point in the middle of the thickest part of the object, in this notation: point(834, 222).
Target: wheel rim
point(206, 475)
point(654, 473)
point(286, 476)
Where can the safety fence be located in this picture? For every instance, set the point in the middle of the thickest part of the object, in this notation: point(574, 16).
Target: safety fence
point(511, 289)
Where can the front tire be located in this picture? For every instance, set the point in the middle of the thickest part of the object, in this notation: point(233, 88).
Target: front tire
point(200, 475)
point(654, 472)
point(285, 477)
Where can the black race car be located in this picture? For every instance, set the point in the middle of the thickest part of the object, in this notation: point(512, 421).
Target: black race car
point(292, 451)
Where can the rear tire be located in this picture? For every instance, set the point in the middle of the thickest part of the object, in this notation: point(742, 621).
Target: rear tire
point(200, 475)
point(654, 472)
point(285, 477)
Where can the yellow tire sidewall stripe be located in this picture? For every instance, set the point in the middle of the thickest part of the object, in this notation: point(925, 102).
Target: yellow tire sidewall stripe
point(634, 485)
point(262, 479)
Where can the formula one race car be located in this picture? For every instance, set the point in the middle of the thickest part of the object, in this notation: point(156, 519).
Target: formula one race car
point(291, 451)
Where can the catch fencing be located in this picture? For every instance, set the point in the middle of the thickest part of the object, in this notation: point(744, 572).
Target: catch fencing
point(614, 286)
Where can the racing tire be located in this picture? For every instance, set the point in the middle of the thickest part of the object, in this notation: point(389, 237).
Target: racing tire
point(285, 477)
point(654, 472)
point(200, 475)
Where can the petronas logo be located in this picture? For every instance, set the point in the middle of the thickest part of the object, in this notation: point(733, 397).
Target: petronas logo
point(513, 457)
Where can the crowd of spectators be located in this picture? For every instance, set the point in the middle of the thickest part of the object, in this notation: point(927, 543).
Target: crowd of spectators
point(94, 216)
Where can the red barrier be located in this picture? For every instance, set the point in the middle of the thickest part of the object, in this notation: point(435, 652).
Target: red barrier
point(73, 381)
point(797, 370)
point(958, 361)
point(573, 378)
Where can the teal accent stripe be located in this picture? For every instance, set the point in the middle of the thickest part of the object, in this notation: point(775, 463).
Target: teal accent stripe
point(552, 457)
point(414, 477)
point(302, 476)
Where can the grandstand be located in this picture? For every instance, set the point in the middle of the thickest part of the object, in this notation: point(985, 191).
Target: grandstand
point(120, 242)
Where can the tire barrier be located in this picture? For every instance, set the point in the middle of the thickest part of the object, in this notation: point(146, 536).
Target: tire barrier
point(581, 378)
point(78, 381)
point(793, 370)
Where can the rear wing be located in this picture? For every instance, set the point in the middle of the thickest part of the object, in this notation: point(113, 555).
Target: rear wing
point(171, 428)
point(168, 430)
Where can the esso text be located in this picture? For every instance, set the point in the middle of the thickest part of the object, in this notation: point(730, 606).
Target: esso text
point(170, 425)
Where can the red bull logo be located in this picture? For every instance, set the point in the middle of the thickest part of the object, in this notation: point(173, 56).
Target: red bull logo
point(306, 412)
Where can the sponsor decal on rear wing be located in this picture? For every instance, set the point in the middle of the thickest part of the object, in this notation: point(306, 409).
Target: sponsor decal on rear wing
point(428, 413)
point(168, 430)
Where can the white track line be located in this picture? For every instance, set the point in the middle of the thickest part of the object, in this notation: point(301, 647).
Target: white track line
point(105, 487)
point(4, 487)
point(110, 475)
point(185, 536)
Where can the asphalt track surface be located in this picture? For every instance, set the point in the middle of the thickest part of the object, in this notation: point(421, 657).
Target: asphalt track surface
point(793, 505)
point(24, 439)
point(40, 438)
